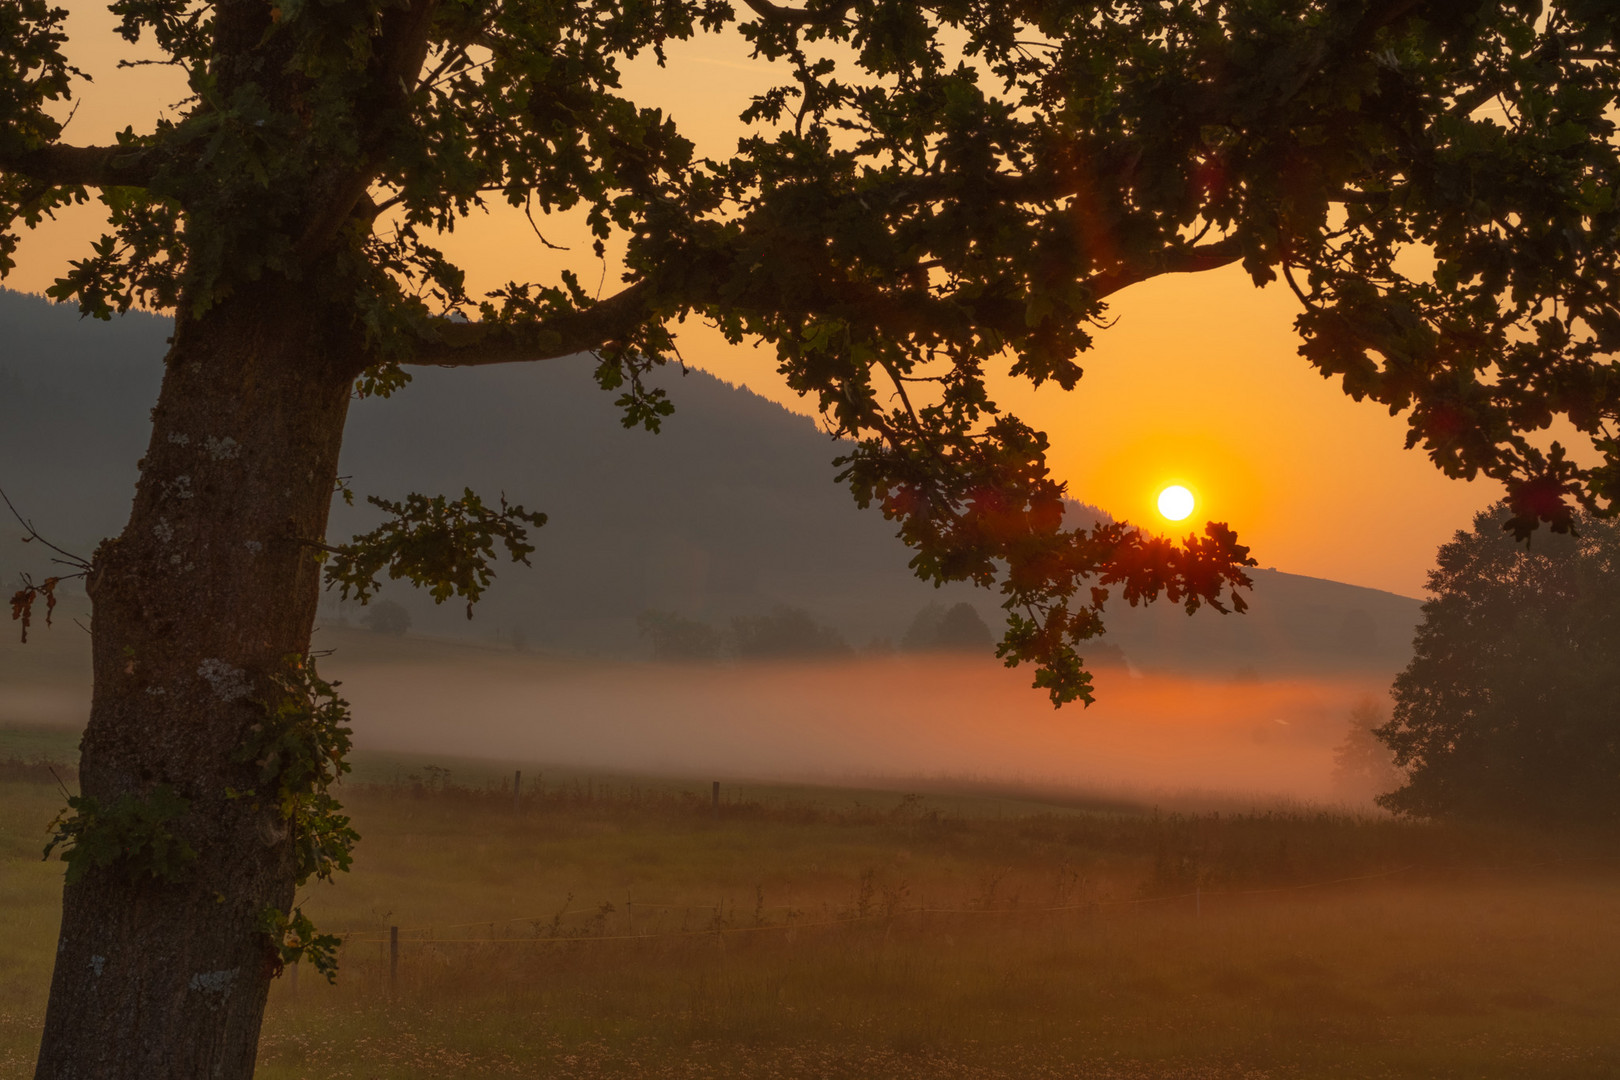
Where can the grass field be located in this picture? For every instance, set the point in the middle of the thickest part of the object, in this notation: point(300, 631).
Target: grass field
point(619, 927)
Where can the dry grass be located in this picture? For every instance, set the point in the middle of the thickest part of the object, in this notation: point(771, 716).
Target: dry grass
point(787, 940)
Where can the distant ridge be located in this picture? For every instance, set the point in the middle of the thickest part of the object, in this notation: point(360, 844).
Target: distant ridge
point(731, 510)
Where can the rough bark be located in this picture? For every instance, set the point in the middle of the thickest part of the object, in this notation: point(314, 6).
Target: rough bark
point(196, 604)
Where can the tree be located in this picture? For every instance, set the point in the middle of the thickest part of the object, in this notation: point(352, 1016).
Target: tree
point(1363, 767)
point(936, 627)
point(675, 637)
point(920, 634)
point(934, 188)
point(1508, 708)
point(388, 617)
point(784, 633)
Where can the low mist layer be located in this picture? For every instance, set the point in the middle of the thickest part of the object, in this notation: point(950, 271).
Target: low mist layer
point(942, 716)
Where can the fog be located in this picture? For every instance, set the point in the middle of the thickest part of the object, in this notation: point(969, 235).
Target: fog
point(924, 716)
point(934, 717)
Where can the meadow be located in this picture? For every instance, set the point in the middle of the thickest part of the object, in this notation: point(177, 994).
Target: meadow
point(621, 926)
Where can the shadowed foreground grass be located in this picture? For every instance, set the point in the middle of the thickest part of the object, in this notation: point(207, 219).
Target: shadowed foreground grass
point(621, 929)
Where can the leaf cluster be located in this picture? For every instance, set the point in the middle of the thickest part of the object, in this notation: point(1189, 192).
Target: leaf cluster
point(132, 834)
point(445, 546)
point(23, 600)
point(299, 749)
point(1468, 276)
point(34, 74)
point(293, 938)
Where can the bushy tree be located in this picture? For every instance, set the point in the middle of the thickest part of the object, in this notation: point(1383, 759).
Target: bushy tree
point(919, 633)
point(931, 190)
point(387, 617)
point(785, 633)
point(677, 638)
point(1510, 707)
point(1363, 767)
point(937, 627)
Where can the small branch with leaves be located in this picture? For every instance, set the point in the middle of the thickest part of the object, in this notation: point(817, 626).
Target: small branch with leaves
point(23, 600)
point(446, 546)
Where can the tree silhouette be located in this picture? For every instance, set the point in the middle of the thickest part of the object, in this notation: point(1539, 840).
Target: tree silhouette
point(956, 627)
point(919, 634)
point(786, 632)
point(387, 617)
point(1508, 709)
point(930, 192)
point(1363, 767)
point(675, 637)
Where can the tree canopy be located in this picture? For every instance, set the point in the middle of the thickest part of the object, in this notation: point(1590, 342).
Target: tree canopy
point(1363, 767)
point(931, 190)
point(938, 627)
point(1508, 709)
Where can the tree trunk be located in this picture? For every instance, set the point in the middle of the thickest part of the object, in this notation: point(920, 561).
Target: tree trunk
point(204, 596)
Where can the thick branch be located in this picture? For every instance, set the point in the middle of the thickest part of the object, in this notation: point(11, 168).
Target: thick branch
point(1186, 261)
point(472, 344)
point(401, 50)
point(81, 166)
point(787, 16)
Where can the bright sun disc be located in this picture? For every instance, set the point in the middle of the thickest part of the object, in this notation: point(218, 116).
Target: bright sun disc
point(1175, 502)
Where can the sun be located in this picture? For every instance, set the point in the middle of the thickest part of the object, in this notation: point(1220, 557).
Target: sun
point(1175, 502)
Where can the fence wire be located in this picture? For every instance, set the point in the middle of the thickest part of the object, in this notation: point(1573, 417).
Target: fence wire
point(354, 938)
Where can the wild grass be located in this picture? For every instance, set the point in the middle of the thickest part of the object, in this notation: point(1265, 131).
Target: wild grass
point(619, 927)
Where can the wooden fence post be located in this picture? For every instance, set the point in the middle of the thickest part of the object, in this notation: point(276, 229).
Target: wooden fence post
point(517, 792)
point(716, 799)
point(393, 957)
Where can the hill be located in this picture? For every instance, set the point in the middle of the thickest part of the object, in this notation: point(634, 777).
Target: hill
point(731, 510)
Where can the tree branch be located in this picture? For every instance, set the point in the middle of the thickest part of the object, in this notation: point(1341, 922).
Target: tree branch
point(80, 166)
point(1186, 261)
point(786, 16)
point(473, 344)
point(396, 63)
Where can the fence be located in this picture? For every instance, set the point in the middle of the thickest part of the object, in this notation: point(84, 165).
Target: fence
point(718, 928)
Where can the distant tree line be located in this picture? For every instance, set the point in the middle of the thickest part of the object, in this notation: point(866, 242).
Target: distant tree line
point(787, 632)
point(784, 632)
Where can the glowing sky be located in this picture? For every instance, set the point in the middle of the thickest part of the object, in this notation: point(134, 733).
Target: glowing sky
point(1196, 383)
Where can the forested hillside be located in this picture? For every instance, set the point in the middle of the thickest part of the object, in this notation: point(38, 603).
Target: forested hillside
point(730, 511)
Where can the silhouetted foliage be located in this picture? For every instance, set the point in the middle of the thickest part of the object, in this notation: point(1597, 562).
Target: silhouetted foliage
point(1510, 707)
point(1363, 767)
point(444, 546)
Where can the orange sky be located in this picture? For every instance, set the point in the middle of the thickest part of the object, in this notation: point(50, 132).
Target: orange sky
point(1197, 383)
